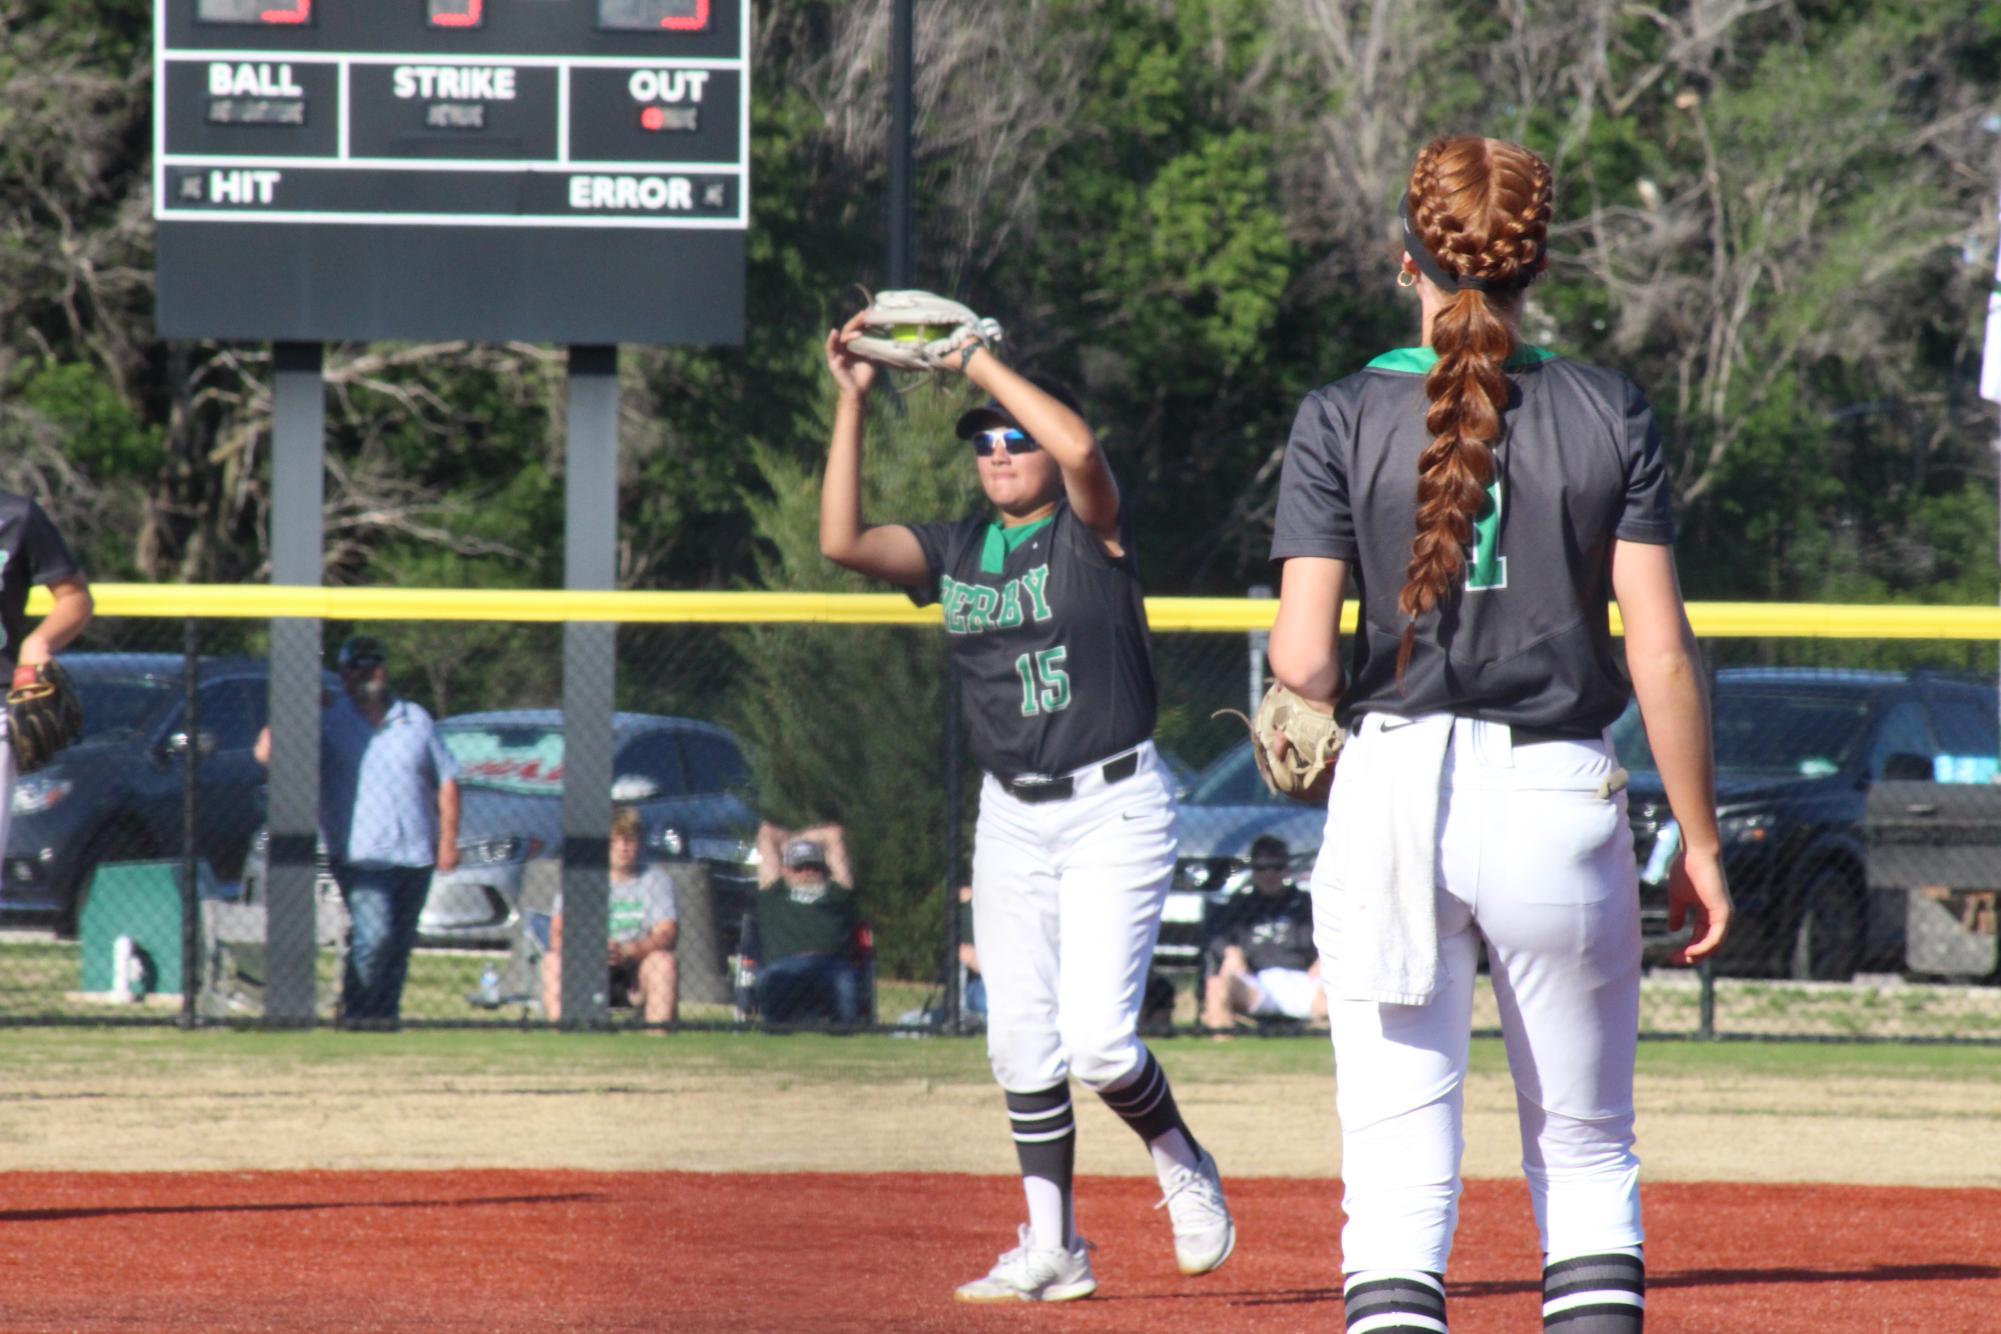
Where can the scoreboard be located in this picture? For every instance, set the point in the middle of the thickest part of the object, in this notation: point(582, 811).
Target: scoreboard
point(567, 171)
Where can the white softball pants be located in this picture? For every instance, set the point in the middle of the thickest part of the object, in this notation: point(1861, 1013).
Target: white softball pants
point(1066, 908)
point(1542, 869)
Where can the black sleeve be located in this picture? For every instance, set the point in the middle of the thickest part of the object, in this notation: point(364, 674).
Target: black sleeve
point(42, 547)
point(935, 540)
point(1314, 516)
point(1648, 513)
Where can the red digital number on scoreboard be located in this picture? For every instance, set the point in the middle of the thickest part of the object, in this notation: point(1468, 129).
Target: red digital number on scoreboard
point(653, 15)
point(457, 13)
point(282, 13)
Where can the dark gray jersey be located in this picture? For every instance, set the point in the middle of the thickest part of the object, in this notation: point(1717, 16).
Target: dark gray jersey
point(31, 552)
point(1527, 641)
point(1048, 634)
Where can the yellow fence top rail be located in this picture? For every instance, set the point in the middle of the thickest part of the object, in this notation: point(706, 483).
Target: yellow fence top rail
point(1740, 620)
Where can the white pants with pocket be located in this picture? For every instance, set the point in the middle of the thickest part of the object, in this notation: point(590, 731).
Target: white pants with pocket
point(1540, 867)
point(1066, 908)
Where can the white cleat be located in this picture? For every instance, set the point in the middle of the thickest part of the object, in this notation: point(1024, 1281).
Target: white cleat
point(1204, 1234)
point(1028, 1274)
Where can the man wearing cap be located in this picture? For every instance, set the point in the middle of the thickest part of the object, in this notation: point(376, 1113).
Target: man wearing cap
point(389, 812)
point(806, 925)
point(1262, 958)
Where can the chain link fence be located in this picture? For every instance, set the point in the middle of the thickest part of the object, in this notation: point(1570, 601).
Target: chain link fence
point(1859, 789)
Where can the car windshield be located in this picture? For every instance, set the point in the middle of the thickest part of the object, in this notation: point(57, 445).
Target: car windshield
point(1764, 730)
point(118, 708)
point(1231, 780)
point(512, 759)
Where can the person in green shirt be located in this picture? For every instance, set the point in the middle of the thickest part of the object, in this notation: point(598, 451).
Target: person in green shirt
point(806, 925)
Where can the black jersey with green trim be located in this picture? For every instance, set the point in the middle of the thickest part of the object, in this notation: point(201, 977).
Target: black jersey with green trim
point(31, 552)
point(1527, 639)
point(1048, 634)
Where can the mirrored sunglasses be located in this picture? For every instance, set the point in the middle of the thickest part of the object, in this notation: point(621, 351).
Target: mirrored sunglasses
point(1002, 437)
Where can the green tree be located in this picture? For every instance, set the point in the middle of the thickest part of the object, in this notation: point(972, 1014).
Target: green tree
point(847, 723)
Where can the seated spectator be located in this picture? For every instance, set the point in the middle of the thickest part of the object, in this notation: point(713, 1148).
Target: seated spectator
point(1263, 959)
point(806, 926)
point(974, 1000)
point(644, 923)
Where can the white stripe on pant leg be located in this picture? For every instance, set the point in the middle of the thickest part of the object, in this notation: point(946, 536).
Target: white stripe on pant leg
point(1396, 1320)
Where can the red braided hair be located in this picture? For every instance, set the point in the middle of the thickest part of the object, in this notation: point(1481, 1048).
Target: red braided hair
point(1482, 208)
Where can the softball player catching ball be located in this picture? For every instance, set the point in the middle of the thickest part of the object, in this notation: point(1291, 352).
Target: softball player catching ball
point(1077, 828)
point(1483, 498)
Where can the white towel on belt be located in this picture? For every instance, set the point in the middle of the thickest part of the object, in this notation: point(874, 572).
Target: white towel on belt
point(1389, 868)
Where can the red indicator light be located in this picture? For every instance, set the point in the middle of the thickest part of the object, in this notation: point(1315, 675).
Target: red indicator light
point(695, 22)
point(653, 15)
point(458, 13)
point(295, 13)
point(652, 118)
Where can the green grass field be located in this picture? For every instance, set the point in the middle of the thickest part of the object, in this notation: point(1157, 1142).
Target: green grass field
point(54, 1054)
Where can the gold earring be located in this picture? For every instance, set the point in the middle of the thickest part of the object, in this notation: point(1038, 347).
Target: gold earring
point(1405, 278)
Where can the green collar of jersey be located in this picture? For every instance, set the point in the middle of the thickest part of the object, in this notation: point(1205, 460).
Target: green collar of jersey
point(1001, 541)
point(1419, 360)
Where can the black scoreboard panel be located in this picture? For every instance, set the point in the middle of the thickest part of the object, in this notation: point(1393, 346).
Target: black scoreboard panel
point(567, 171)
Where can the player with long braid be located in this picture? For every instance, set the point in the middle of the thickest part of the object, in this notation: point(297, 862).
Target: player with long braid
point(1077, 828)
point(1483, 499)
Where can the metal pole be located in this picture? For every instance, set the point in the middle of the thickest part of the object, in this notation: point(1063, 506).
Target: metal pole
point(590, 536)
point(954, 843)
point(298, 484)
point(1259, 646)
point(902, 44)
point(190, 776)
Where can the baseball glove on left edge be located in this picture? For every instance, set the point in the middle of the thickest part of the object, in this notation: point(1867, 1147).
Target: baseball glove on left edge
point(1314, 740)
point(42, 718)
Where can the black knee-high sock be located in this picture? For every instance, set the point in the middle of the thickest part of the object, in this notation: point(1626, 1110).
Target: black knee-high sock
point(1045, 1143)
point(1395, 1301)
point(1595, 1294)
point(1146, 1103)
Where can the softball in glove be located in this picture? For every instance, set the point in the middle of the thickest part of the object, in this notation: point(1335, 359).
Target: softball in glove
point(915, 331)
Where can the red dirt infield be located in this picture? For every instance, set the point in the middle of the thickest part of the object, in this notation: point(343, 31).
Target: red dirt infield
point(547, 1250)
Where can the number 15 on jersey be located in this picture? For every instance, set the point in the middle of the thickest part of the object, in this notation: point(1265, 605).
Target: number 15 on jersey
point(1045, 686)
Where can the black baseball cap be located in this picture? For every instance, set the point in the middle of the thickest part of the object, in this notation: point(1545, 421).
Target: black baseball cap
point(361, 651)
point(991, 413)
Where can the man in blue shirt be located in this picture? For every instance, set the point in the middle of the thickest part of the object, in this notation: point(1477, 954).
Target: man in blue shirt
point(389, 812)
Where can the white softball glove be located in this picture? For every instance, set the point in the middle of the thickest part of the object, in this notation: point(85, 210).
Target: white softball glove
point(914, 331)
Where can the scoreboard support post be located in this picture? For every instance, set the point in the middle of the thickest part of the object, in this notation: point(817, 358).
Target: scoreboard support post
point(590, 527)
point(297, 490)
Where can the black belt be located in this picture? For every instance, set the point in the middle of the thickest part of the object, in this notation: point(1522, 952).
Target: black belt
point(1063, 786)
point(1535, 736)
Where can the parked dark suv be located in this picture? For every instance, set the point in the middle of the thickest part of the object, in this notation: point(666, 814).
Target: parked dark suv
point(1800, 753)
point(116, 794)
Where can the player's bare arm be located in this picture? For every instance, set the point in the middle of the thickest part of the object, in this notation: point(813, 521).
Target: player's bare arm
point(1666, 668)
point(1087, 478)
point(66, 620)
point(1305, 650)
point(888, 552)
